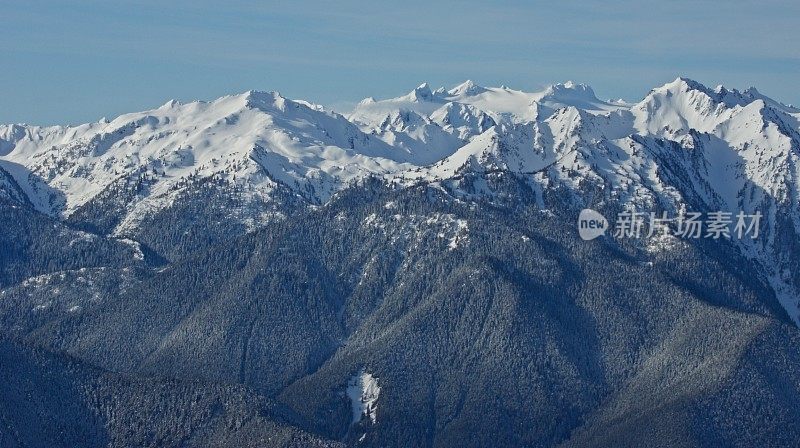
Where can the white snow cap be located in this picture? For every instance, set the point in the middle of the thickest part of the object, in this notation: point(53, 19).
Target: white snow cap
point(421, 93)
point(466, 88)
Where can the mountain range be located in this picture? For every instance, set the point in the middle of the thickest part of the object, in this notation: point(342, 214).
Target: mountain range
point(260, 270)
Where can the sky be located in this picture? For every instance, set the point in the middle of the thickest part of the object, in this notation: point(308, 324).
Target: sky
point(69, 62)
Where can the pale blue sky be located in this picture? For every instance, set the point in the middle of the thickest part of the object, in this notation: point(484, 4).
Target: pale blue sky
point(76, 61)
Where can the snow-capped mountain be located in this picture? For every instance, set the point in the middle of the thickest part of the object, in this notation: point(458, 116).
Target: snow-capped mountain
point(256, 138)
point(684, 146)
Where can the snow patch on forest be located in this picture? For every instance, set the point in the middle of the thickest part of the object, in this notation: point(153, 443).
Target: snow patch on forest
point(363, 392)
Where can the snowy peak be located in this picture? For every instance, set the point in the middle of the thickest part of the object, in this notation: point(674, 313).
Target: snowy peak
point(571, 94)
point(466, 88)
point(265, 100)
point(301, 145)
point(693, 92)
point(570, 91)
point(680, 106)
point(421, 93)
point(9, 136)
point(684, 105)
point(682, 83)
point(522, 148)
point(462, 119)
point(753, 94)
point(733, 97)
point(515, 106)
